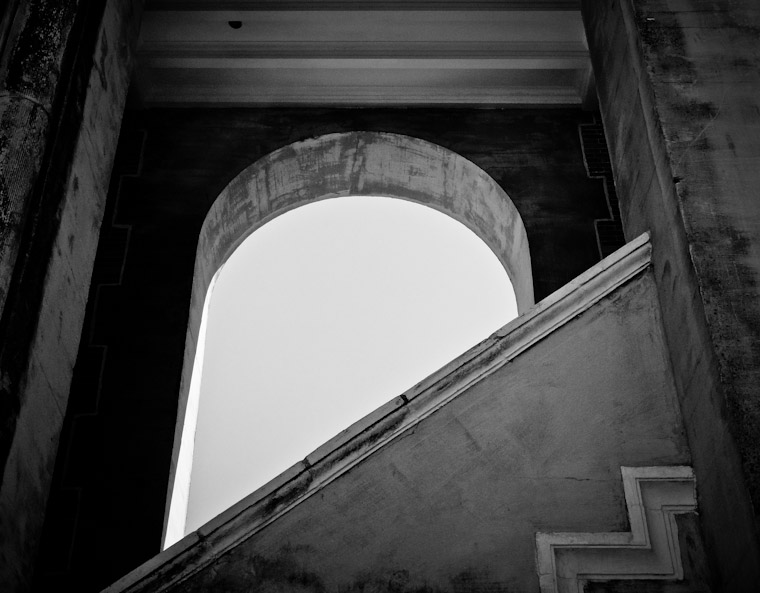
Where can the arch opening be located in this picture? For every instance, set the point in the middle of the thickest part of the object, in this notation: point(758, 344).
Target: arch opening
point(356, 164)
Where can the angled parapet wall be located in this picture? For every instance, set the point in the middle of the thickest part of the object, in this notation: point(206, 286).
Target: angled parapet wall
point(448, 484)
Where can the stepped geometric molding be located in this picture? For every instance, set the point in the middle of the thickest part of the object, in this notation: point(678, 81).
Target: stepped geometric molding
point(653, 496)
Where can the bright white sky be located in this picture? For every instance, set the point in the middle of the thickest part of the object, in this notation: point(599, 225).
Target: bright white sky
point(321, 316)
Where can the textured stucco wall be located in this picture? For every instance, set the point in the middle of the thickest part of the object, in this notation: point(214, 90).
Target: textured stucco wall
point(454, 503)
point(679, 87)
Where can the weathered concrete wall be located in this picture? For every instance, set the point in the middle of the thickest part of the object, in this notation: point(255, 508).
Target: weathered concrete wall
point(444, 488)
point(679, 87)
point(67, 77)
point(109, 511)
point(38, 36)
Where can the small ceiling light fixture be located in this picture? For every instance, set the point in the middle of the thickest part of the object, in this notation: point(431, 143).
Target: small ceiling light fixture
point(235, 24)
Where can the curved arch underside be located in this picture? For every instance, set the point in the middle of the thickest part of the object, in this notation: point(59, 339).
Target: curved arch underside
point(367, 164)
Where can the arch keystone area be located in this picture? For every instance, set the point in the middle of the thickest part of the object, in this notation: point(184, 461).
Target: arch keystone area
point(336, 165)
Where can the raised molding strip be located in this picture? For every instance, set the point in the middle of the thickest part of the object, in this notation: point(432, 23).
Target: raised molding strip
point(653, 496)
point(339, 455)
point(407, 5)
point(363, 53)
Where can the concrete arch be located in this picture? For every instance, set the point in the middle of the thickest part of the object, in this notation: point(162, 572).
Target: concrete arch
point(347, 164)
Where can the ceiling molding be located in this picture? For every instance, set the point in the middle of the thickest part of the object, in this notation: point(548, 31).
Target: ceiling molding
point(362, 57)
point(367, 49)
point(360, 5)
point(350, 96)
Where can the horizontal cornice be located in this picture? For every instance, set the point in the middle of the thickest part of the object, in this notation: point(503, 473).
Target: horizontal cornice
point(357, 5)
point(425, 50)
point(194, 57)
point(231, 96)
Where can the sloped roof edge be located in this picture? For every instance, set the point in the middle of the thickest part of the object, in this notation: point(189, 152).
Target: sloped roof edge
point(338, 455)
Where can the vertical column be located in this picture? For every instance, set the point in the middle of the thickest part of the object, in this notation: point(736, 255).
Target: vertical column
point(63, 75)
point(679, 89)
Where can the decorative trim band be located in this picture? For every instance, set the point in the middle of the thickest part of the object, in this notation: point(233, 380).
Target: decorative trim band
point(653, 496)
point(357, 5)
point(234, 54)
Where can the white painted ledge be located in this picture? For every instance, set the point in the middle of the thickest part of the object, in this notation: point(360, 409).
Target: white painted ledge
point(653, 496)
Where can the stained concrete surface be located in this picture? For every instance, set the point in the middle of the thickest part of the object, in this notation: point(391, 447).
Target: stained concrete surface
point(59, 123)
point(679, 86)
